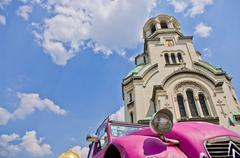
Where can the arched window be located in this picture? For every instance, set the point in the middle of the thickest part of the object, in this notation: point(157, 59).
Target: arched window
point(181, 106)
point(169, 43)
point(173, 58)
point(179, 56)
point(166, 56)
point(131, 117)
point(191, 102)
point(153, 28)
point(203, 104)
point(163, 25)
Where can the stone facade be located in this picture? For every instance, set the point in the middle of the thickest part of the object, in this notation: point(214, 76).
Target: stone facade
point(171, 74)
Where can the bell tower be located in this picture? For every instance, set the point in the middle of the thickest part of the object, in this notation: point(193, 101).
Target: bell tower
point(171, 74)
point(163, 33)
point(159, 25)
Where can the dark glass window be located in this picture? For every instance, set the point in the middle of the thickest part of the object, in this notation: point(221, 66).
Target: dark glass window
point(181, 106)
point(167, 58)
point(236, 118)
point(163, 25)
point(144, 59)
point(131, 117)
point(191, 102)
point(179, 56)
point(203, 104)
point(153, 28)
point(173, 58)
point(130, 97)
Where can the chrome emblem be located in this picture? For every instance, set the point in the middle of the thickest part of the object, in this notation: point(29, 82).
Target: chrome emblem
point(233, 150)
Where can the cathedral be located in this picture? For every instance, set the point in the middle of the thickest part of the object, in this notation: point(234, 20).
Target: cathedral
point(171, 74)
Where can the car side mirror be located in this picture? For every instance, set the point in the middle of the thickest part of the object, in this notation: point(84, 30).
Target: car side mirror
point(92, 138)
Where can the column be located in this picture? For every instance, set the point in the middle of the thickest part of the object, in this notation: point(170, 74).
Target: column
point(148, 33)
point(170, 58)
point(209, 106)
point(187, 108)
point(178, 115)
point(199, 108)
point(157, 24)
point(170, 24)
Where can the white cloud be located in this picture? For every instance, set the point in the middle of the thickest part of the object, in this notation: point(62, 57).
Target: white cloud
point(2, 20)
point(82, 152)
point(7, 147)
point(203, 30)
point(99, 48)
point(5, 116)
point(3, 3)
point(198, 7)
point(24, 11)
point(132, 58)
point(28, 103)
point(35, 146)
point(31, 1)
point(102, 22)
point(119, 115)
point(179, 5)
point(11, 145)
point(193, 7)
point(207, 52)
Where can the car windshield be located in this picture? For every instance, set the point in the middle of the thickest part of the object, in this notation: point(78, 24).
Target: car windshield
point(118, 130)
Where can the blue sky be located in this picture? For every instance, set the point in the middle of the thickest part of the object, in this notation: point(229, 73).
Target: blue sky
point(62, 63)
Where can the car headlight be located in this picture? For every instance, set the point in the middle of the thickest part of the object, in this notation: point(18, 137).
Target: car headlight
point(162, 122)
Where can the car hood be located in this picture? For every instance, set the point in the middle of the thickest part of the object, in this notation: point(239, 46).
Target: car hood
point(191, 136)
point(140, 146)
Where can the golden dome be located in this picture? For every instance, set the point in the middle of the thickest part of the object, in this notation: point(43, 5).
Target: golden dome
point(69, 154)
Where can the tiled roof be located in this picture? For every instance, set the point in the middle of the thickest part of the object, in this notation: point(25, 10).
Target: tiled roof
point(211, 67)
point(135, 71)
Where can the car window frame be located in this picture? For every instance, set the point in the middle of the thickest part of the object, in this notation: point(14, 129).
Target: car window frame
point(91, 151)
point(102, 127)
point(125, 125)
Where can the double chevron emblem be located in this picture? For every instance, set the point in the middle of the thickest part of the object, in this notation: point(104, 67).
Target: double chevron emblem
point(233, 150)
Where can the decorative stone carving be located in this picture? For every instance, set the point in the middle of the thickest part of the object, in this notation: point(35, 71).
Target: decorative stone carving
point(188, 84)
point(221, 104)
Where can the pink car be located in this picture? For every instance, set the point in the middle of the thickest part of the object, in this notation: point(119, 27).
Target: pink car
point(162, 139)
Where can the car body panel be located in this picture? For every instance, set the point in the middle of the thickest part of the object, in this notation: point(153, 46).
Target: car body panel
point(145, 144)
point(136, 146)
